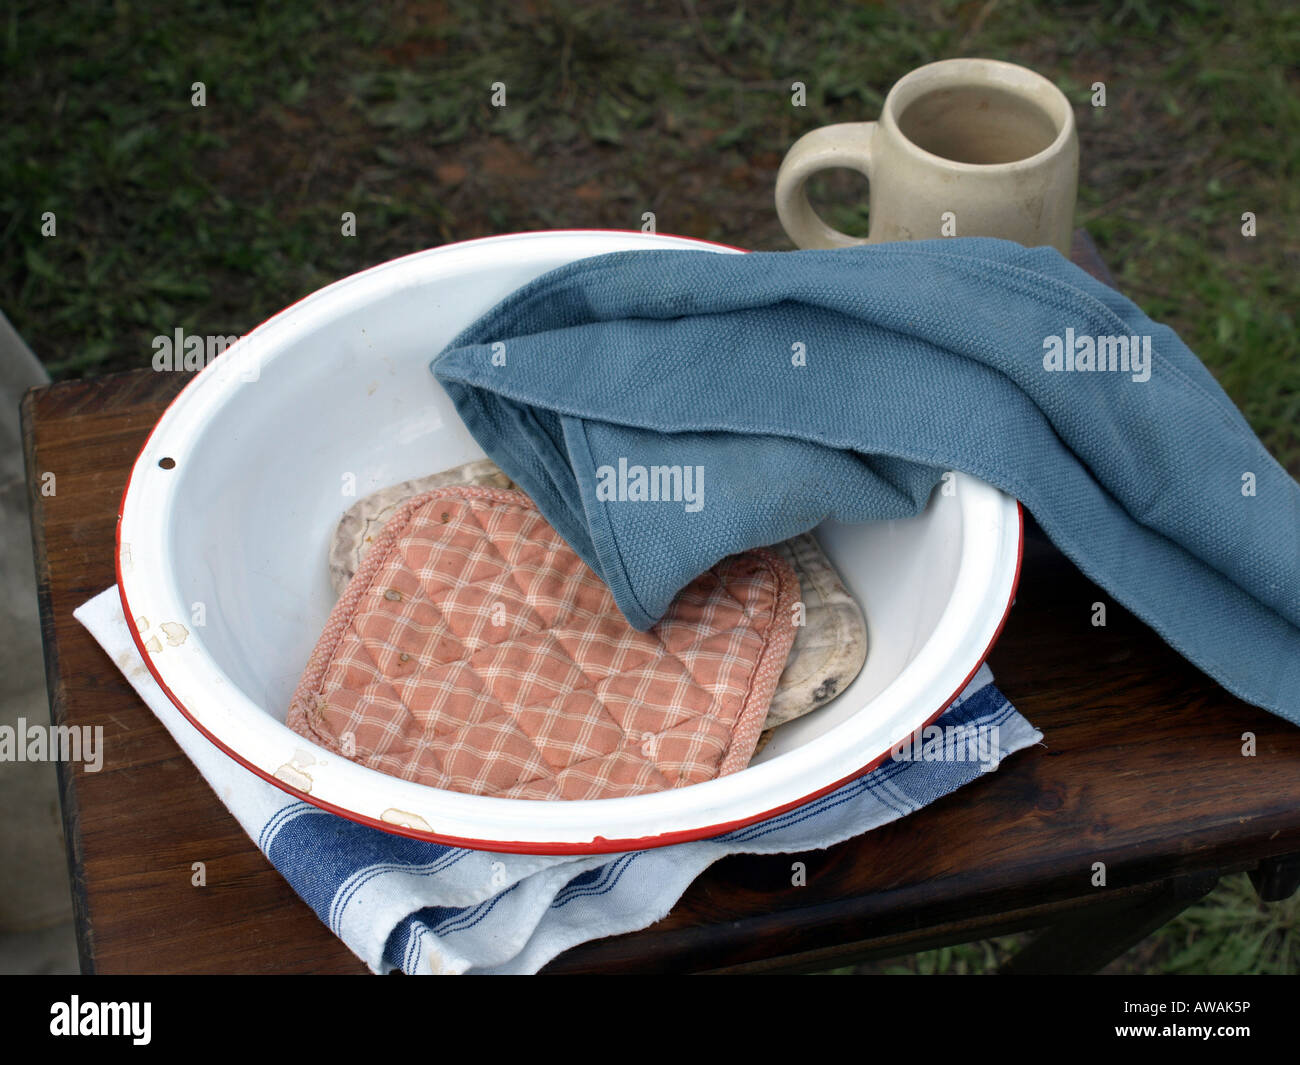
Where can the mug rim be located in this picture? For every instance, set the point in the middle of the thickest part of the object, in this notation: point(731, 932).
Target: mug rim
point(1015, 79)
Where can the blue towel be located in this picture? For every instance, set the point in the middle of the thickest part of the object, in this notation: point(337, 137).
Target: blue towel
point(668, 408)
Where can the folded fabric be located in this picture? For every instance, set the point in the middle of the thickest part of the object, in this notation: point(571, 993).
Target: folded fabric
point(667, 408)
point(401, 904)
point(473, 650)
point(829, 648)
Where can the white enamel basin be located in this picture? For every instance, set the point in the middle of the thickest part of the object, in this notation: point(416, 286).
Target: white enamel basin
point(222, 558)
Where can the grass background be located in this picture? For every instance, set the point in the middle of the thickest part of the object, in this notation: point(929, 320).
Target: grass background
point(211, 219)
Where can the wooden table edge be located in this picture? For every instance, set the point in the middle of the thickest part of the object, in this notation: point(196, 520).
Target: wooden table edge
point(69, 811)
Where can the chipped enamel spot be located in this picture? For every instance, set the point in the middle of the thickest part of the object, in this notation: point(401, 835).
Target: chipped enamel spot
point(405, 819)
point(295, 778)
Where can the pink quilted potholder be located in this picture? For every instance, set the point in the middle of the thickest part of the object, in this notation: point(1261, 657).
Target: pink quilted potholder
point(474, 650)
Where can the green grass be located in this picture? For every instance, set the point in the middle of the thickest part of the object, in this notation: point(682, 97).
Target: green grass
point(211, 219)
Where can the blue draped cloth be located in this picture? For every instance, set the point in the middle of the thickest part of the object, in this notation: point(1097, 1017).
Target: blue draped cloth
point(667, 408)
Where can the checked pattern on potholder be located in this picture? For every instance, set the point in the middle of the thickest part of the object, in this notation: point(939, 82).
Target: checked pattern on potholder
point(474, 650)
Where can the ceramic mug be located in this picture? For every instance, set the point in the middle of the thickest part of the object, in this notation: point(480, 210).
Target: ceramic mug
point(963, 147)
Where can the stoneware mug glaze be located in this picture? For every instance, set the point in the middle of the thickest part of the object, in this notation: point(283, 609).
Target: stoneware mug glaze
point(963, 147)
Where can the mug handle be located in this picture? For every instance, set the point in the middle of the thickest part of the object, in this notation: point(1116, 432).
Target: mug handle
point(845, 144)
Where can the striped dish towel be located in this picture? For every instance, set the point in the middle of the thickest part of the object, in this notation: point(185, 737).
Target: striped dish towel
point(403, 904)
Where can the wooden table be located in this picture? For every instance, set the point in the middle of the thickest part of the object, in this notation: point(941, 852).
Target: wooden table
point(1141, 769)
